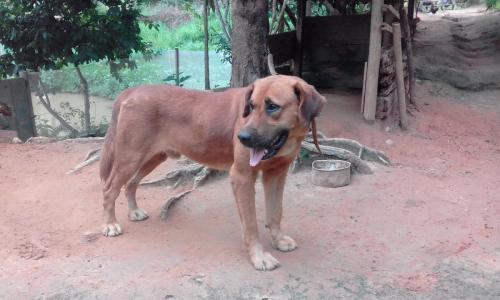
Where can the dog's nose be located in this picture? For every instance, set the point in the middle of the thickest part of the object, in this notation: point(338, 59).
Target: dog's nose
point(245, 136)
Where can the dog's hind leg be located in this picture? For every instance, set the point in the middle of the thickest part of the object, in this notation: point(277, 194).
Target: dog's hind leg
point(121, 173)
point(134, 212)
point(274, 183)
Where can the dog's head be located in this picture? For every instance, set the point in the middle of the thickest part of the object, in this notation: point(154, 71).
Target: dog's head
point(276, 109)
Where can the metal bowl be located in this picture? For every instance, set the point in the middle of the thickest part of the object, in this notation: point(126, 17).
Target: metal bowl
point(331, 173)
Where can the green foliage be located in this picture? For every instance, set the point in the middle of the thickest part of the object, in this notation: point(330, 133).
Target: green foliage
point(172, 79)
point(362, 8)
point(318, 9)
point(101, 82)
point(304, 154)
point(49, 34)
point(493, 4)
point(188, 36)
point(222, 46)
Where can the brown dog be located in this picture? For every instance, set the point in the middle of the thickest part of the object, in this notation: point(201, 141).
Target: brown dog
point(244, 130)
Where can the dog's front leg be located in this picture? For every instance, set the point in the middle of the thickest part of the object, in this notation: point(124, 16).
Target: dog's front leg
point(274, 184)
point(243, 183)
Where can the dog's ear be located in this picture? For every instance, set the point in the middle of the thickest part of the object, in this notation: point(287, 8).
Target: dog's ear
point(248, 95)
point(310, 101)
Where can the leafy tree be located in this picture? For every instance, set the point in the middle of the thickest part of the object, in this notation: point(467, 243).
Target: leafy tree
point(50, 34)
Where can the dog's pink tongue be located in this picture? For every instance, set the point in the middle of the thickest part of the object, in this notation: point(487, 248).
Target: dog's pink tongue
point(256, 156)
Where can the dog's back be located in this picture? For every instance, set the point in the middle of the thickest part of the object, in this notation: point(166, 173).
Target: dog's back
point(176, 108)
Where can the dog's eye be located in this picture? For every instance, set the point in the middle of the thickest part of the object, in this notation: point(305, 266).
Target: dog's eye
point(272, 107)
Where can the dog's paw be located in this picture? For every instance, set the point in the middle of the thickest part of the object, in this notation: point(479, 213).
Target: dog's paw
point(113, 229)
point(137, 215)
point(284, 243)
point(264, 262)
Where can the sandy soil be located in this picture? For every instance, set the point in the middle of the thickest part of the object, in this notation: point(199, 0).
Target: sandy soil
point(425, 228)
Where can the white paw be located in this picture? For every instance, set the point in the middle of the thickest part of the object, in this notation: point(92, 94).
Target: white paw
point(113, 229)
point(264, 261)
point(284, 243)
point(137, 215)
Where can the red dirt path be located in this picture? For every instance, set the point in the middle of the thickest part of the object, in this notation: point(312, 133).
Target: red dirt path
point(426, 227)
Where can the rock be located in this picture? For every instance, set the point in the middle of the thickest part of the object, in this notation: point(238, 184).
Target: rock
point(40, 140)
point(84, 140)
point(16, 140)
point(198, 279)
point(389, 142)
point(387, 129)
point(90, 237)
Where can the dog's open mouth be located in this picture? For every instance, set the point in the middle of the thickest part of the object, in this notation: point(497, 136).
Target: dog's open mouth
point(257, 155)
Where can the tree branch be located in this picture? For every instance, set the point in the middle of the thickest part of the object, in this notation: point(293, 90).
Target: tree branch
point(281, 17)
point(222, 22)
point(86, 98)
point(273, 16)
point(41, 93)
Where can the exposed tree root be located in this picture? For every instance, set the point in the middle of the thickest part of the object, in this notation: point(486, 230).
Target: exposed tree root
point(188, 172)
point(91, 157)
point(195, 174)
point(345, 149)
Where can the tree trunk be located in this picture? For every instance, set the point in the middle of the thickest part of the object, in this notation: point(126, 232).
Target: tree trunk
point(86, 98)
point(308, 8)
point(249, 41)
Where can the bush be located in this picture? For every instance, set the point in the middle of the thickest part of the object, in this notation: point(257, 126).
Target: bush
point(493, 4)
point(188, 36)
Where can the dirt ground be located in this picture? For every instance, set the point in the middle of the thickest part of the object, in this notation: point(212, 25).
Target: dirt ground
point(425, 228)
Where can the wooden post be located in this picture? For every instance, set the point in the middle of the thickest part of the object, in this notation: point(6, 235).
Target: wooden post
point(301, 13)
point(398, 61)
point(363, 93)
point(205, 27)
point(22, 107)
point(411, 10)
point(373, 60)
point(177, 77)
point(409, 51)
point(308, 8)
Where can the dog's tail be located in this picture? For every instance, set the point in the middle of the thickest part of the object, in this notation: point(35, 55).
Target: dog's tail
point(108, 150)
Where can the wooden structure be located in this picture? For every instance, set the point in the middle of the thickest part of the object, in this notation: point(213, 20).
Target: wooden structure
point(332, 51)
point(15, 93)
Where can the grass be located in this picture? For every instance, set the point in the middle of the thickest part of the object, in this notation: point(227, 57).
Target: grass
point(188, 36)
